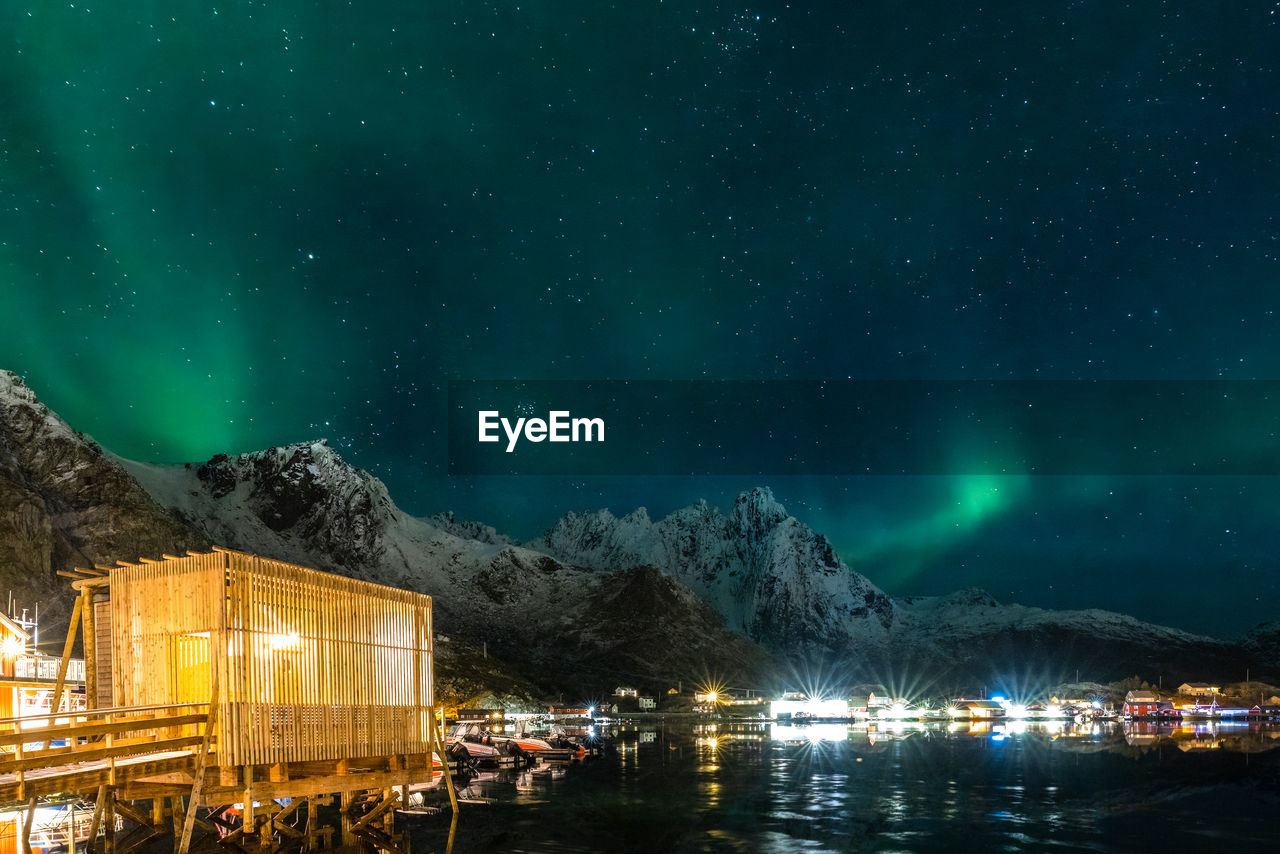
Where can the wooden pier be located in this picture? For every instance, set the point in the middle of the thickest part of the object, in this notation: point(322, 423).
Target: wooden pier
point(233, 698)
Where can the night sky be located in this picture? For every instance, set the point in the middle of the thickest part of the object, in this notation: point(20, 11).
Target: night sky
point(228, 226)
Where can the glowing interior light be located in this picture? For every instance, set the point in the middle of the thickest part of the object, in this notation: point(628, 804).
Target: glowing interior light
point(284, 642)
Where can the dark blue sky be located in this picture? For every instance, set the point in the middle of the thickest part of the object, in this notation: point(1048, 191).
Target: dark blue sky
point(226, 227)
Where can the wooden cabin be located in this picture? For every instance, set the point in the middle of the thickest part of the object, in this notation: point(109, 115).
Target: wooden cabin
point(308, 666)
point(247, 687)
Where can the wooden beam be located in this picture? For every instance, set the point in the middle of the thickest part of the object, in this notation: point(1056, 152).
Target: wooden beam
point(179, 821)
point(127, 810)
point(98, 804)
point(119, 725)
point(26, 826)
point(66, 659)
point(344, 816)
point(435, 745)
point(109, 818)
point(388, 803)
point(89, 642)
point(197, 785)
point(301, 787)
point(247, 812)
point(131, 749)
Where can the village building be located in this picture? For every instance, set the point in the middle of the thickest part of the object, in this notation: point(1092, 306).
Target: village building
point(982, 709)
point(1140, 704)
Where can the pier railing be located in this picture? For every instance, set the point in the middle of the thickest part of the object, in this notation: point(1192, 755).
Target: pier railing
point(47, 753)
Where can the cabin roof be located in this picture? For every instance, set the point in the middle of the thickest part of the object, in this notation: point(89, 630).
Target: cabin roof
point(14, 629)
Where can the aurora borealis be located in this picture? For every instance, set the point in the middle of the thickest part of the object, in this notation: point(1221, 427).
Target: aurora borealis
point(228, 226)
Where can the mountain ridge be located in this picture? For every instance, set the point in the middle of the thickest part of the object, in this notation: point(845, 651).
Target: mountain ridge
point(740, 588)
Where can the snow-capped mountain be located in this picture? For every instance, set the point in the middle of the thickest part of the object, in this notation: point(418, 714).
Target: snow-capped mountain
point(598, 598)
point(975, 634)
point(772, 577)
point(304, 503)
point(777, 581)
point(64, 502)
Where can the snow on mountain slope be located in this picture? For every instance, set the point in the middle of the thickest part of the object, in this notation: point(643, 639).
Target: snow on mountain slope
point(64, 502)
point(778, 582)
point(772, 577)
point(304, 503)
point(972, 630)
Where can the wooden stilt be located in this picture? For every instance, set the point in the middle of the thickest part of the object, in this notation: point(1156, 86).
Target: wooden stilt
point(179, 823)
point(98, 806)
point(246, 815)
point(348, 838)
point(109, 822)
point(27, 822)
point(313, 832)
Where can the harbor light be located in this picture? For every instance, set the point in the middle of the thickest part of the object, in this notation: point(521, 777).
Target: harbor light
point(795, 703)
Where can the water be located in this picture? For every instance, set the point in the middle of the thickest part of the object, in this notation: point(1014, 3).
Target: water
point(822, 788)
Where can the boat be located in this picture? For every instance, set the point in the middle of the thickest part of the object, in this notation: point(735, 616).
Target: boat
point(469, 742)
point(523, 743)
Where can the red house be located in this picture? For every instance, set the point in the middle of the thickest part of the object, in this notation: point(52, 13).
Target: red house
point(1140, 704)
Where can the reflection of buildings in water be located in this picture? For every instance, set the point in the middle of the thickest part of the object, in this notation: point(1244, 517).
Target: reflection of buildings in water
point(1239, 737)
point(809, 733)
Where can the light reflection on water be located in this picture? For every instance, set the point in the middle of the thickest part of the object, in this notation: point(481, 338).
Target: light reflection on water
point(904, 787)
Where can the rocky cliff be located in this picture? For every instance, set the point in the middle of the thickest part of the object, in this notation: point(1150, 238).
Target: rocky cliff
point(699, 594)
point(564, 626)
point(65, 502)
point(772, 577)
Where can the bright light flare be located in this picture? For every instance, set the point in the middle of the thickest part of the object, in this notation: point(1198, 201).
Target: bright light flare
point(284, 642)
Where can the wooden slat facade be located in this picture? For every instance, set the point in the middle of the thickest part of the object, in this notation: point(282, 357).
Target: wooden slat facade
point(101, 660)
point(310, 666)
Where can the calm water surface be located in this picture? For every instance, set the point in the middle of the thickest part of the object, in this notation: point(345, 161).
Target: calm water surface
point(1004, 787)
